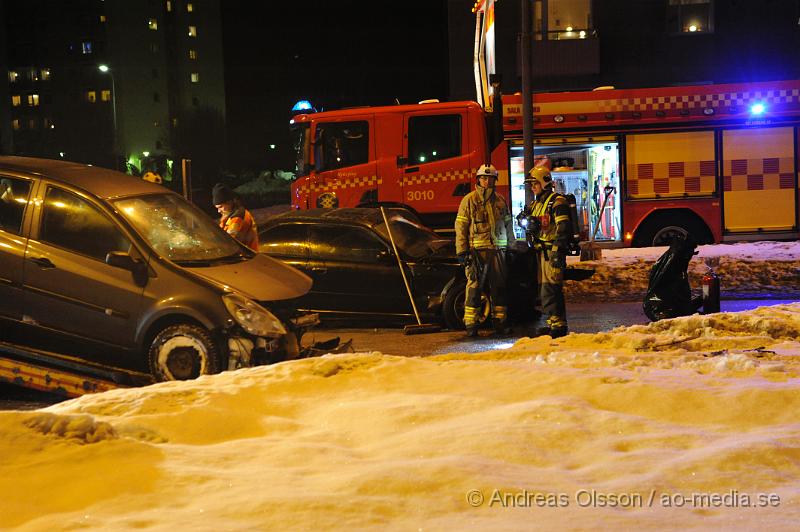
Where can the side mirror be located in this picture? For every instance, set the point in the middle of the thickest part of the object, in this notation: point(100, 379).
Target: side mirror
point(385, 256)
point(120, 259)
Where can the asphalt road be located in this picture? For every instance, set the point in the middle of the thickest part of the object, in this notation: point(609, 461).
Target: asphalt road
point(582, 317)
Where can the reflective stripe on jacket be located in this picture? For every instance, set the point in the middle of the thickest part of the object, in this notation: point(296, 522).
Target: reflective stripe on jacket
point(473, 224)
point(241, 226)
point(552, 212)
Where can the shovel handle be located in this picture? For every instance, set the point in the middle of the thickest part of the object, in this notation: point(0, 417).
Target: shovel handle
point(400, 264)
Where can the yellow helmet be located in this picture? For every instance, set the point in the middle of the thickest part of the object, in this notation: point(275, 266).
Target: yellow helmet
point(152, 177)
point(541, 175)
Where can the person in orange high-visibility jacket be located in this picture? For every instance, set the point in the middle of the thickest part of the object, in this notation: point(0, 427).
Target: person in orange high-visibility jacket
point(234, 218)
point(484, 232)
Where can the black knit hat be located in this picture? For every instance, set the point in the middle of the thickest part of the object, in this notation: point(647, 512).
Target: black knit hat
point(221, 193)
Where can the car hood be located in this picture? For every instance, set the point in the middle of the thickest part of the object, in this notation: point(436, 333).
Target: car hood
point(261, 278)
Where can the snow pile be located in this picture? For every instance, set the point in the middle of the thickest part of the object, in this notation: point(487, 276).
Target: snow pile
point(694, 422)
point(754, 269)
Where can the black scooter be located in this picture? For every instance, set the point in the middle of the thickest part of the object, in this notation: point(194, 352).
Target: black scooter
point(668, 292)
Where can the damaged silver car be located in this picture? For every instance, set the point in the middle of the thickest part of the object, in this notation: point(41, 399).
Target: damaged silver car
point(122, 272)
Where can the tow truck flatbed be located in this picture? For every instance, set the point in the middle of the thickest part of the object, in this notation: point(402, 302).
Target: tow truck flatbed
point(61, 374)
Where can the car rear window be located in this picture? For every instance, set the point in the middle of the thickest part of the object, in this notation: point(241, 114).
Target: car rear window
point(344, 244)
point(13, 198)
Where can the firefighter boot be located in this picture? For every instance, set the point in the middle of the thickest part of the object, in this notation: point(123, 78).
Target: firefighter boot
point(472, 331)
point(501, 328)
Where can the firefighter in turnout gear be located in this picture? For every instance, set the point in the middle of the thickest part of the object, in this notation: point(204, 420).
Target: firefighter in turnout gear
point(484, 232)
point(549, 228)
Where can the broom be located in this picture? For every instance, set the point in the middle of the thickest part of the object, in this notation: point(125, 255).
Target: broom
point(419, 328)
point(591, 251)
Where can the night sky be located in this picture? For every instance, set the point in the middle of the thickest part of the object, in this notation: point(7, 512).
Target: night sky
point(335, 54)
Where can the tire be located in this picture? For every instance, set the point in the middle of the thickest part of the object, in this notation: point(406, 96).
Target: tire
point(662, 227)
point(183, 352)
point(453, 306)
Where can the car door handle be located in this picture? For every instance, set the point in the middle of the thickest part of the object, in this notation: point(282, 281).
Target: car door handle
point(43, 262)
point(412, 169)
point(319, 269)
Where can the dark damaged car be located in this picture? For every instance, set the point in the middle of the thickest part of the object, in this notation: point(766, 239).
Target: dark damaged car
point(356, 276)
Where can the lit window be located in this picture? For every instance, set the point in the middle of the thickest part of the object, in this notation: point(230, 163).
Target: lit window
point(174, 122)
point(152, 24)
point(15, 124)
point(12, 76)
point(33, 100)
point(102, 18)
point(16, 100)
point(690, 16)
point(33, 74)
point(86, 47)
point(192, 31)
point(189, 7)
point(566, 20)
point(45, 74)
point(195, 77)
point(156, 123)
point(91, 96)
point(47, 123)
point(192, 54)
point(169, 6)
point(105, 95)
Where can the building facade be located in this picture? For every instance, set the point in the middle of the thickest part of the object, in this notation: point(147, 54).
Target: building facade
point(113, 83)
point(583, 44)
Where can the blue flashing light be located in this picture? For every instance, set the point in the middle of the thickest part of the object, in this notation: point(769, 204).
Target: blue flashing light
point(303, 105)
point(758, 108)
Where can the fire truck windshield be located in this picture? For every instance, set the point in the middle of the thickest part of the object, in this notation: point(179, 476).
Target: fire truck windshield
point(302, 148)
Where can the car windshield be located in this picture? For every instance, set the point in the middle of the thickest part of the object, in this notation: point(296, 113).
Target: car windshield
point(414, 239)
point(178, 230)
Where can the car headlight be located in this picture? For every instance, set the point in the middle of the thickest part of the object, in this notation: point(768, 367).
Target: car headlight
point(253, 318)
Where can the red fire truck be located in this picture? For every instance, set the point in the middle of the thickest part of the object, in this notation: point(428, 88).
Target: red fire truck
point(716, 161)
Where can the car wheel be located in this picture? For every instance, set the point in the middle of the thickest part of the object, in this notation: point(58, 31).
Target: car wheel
point(453, 306)
point(662, 227)
point(182, 352)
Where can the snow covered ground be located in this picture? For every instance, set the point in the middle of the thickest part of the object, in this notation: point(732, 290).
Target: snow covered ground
point(685, 423)
point(754, 269)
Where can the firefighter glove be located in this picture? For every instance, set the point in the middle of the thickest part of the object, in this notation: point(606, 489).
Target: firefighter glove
point(464, 259)
point(557, 258)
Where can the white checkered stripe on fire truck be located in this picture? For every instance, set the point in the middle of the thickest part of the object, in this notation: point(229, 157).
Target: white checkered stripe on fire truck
point(727, 99)
point(355, 182)
point(438, 177)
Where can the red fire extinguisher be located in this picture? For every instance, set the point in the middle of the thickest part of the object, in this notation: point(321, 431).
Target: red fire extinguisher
point(710, 292)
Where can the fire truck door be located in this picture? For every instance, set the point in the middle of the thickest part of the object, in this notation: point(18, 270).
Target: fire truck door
point(435, 170)
point(759, 179)
point(344, 158)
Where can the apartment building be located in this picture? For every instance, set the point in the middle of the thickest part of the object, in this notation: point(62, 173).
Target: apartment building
point(109, 82)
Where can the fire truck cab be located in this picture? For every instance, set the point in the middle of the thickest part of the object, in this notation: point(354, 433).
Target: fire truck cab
point(421, 156)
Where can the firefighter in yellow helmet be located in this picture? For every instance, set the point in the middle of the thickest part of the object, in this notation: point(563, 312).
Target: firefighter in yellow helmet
point(484, 232)
point(549, 227)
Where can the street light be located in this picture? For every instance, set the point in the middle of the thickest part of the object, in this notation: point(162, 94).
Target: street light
point(105, 69)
